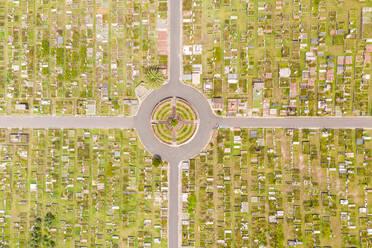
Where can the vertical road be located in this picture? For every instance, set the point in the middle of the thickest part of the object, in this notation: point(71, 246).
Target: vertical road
point(174, 188)
point(175, 55)
point(175, 58)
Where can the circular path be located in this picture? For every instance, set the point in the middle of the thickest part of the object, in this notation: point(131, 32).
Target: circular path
point(207, 121)
point(174, 122)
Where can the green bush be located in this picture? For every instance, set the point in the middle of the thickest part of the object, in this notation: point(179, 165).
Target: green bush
point(154, 77)
point(156, 160)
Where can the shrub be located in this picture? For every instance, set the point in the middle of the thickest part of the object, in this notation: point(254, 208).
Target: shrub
point(154, 77)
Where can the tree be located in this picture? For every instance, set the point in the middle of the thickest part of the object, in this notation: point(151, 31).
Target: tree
point(49, 219)
point(173, 122)
point(154, 77)
point(36, 238)
point(156, 160)
point(36, 234)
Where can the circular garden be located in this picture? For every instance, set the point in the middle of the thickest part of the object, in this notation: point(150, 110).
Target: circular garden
point(174, 121)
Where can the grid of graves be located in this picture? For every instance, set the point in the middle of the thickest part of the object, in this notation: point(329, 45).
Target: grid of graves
point(279, 188)
point(280, 58)
point(80, 188)
point(80, 57)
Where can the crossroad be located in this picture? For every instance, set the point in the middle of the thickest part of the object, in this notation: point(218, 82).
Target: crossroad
point(207, 122)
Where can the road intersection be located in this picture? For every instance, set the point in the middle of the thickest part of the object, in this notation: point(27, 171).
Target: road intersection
point(207, 122)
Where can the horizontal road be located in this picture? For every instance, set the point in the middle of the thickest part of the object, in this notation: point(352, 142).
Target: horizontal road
point(66, 122)
point(174, 155)
point(207, 122)
point(297, 122)
point(130, 122)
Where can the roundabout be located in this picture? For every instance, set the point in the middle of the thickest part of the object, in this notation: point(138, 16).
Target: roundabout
point(174, 122)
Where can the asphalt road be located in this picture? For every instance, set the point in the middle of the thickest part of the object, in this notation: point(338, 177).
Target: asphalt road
point(66, 122)
point(175, 29)
point(297, 122)
point(174, 155)
point(140, 122)
point(174, 203)
point(207, 122)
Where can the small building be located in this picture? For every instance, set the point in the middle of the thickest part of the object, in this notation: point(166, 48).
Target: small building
point(284, 72)
point(232, 106)
point(217, 103)
point(104, 91)
point(258, 84)
point(163, 42)
point(21, 106)
point(91, 108)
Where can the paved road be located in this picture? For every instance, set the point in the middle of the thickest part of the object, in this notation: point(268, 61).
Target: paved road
point(208, 121)
point(66, 122)
point(175, 29)
point(174, 204)
point(174, 155)
point(297, 122)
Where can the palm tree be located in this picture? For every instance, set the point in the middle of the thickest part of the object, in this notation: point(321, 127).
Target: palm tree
point(154, 77)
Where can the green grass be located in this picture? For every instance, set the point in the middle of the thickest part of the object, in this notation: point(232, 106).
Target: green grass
point(250, 47)
point(185, 110)
point(185, 133)
point(78, 53)
point(98, 173)
point(173, 122)
point(163, 112)
point(296, 168)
